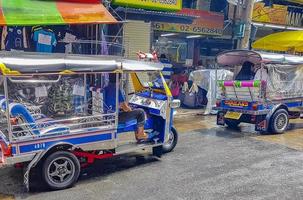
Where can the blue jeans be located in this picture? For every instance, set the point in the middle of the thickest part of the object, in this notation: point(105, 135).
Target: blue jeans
point(136, 114)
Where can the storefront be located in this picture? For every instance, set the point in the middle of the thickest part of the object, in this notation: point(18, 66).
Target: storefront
point(140, 15)
point(187, 44)
point(52, 26)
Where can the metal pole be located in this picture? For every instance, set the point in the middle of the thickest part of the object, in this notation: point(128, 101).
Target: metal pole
point(247, 19)
point(97, 37)
point(117, 107)
point(85, 94)
point(9, 129)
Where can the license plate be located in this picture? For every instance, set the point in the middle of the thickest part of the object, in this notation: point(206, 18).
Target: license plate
point(233, 115)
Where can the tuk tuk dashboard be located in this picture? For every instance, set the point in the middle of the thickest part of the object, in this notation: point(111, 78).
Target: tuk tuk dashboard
point(155, 103)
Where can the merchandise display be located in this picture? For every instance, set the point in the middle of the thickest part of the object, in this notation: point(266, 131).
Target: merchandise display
point(14, 38)
point(45, 40)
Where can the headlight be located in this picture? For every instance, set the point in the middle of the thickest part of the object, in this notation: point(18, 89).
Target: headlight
point(176, 103)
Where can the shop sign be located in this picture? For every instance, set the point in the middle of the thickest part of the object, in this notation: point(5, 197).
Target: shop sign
point(277, 14)
point(165, 5)
point(208, 23)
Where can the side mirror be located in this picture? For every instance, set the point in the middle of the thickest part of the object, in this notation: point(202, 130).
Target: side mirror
point(176, 103)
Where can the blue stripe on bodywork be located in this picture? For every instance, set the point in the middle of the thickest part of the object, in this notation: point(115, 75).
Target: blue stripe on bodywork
point(75, 141)
point(294, 104)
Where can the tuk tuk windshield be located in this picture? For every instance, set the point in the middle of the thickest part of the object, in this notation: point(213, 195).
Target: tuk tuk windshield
point(151, 80)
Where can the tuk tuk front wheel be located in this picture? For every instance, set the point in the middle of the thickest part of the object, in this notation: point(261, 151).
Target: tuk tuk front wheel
point(60, 170)
point(279, 121)
point(172, 141)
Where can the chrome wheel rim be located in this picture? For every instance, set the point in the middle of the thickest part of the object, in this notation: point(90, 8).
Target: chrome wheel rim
point(281, 121)
point(61, 170)
point(170, 140)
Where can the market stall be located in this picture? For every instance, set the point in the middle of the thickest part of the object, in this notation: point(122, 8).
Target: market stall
point(67, 26)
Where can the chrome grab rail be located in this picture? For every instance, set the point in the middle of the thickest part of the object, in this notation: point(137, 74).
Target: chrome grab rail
point(34, 80)
point(27, 130)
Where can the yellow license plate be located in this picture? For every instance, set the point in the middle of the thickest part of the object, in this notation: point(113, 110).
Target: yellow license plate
point(233, 115)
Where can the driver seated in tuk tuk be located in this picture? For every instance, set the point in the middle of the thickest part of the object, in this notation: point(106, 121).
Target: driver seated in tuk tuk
point(126, 113)
point(247, 72)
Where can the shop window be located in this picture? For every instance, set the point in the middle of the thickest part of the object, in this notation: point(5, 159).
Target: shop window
point(197, 4)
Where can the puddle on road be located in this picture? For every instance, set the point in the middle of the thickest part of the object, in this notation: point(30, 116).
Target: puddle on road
point(6, 197)
point(293, 138)
point(193, 123)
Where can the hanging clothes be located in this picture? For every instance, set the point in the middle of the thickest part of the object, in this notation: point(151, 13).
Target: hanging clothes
point(14, 38)
point(69, 39)
point(60, 32)
point(104, 47)
point(45, 40)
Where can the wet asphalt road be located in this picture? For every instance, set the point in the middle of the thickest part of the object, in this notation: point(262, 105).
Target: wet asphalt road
point(208, 163)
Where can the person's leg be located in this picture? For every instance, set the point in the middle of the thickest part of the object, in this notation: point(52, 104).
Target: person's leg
point(139, 115)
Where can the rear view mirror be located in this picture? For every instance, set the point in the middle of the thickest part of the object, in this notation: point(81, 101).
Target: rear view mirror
point(176, 103)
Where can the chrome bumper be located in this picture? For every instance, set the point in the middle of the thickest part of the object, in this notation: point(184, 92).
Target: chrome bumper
point(249, 112)
point(8, 161)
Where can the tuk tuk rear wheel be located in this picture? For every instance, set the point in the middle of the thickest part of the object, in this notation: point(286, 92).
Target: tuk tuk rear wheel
point(60, 170)
point(279, 121)
point(172, 141)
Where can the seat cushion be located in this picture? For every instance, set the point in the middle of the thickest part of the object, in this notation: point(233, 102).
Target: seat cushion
point(18, 110)
point(42, 126)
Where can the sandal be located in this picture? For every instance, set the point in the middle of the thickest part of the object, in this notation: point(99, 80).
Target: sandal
point(149, 138)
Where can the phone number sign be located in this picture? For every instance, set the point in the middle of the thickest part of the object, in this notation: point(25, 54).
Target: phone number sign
point(207, 23)
point(182, 28)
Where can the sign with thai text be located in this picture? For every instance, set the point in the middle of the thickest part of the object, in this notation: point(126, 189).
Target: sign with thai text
point(277, 14)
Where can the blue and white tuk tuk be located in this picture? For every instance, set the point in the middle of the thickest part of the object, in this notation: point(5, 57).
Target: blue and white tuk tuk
point(53, 113)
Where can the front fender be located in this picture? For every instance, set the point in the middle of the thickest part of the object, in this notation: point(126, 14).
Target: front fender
point(274, 109)
point(51, 149)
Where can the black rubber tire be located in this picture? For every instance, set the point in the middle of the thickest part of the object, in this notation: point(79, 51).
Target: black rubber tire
point(74, 162)
point(169, 147)
point(232, 123)
point(276, 128)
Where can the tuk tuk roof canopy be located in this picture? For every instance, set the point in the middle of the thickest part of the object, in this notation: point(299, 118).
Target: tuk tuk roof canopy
point(29, 63)
point(238, 57)
point(282, 41)
point(51, 12)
